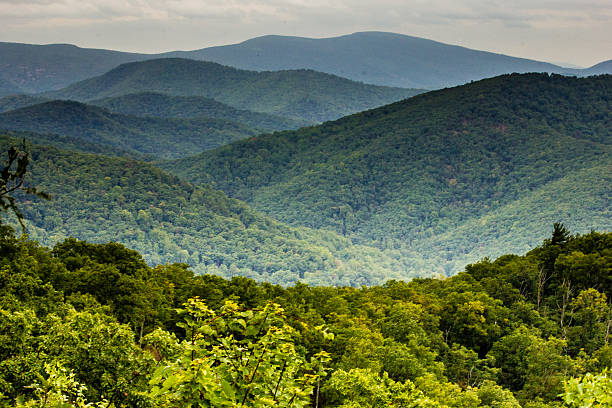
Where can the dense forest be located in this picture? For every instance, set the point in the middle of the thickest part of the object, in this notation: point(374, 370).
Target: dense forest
point(299, 94)
point(150, 136)
point(99, 199)
point(92, 325)
point(442, 178)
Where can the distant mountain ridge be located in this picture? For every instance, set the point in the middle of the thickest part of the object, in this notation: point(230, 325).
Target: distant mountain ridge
point(378, 58)
point(303, 95)
point(37, 68)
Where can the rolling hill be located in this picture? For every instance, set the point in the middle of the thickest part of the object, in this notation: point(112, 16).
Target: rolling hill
point(601, 68)
point(38, 68)
point(425, 175)
point(157, 137)
point(189, 107)
point(102, 199)
point(302, 94)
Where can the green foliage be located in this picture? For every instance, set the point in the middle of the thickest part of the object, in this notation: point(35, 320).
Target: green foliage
point(441, 179)
point(589, 391)
point(362, 388)
point(237, 357)
point(58, 388)
point(302, 95)
point(94, 325)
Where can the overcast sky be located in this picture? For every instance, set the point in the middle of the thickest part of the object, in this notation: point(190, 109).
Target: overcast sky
point(568, 31)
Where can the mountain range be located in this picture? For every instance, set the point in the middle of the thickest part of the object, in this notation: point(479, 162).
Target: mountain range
point(377, 58)
point(372, 57)
point(298, 94)
point(441, 177)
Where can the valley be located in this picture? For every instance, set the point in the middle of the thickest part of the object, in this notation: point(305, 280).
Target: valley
point(369, 220)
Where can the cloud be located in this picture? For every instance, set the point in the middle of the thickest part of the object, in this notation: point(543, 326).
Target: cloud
point(434, 10)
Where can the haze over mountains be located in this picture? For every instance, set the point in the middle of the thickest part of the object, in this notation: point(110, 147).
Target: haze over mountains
point(180, 233)
point(151, 104)
point(435, 174)
point(298, 94)
point(37, 68)
point(425, 184)
point(372, 57)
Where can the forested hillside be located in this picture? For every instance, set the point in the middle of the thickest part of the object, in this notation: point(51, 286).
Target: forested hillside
point(301, 94)
point(442, 178)
point(99, 198)
point(156, 137)
point(73, 144)
point(190, 107)
point(84, 323)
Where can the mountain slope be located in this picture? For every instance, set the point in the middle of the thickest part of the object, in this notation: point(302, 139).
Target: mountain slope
point(417, 169)
point(8, 88)
point(13, 102)
point(303, 95)
point(581, 199)
point(73, 144)
point(601, 68)
point(373, 57)
point(100, 199)
point(189, 107)
point(163, 138)
point(38, 68)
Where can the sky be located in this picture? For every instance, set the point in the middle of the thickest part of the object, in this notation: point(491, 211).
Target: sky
point(577, 32)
